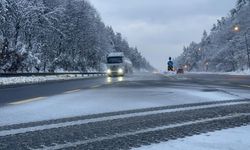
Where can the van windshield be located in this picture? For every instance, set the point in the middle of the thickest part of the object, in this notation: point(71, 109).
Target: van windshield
point(114, 60)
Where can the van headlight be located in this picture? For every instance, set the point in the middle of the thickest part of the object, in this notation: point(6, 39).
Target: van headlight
point(109, 71)
point(120, 71)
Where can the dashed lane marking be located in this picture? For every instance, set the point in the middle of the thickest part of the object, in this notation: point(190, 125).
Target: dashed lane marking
point(247, 86)
point(27, 101)
point(72, 91)
point(170, 77)
point(95, 86)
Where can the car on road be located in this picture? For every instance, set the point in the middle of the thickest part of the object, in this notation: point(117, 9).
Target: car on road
point(180, 71)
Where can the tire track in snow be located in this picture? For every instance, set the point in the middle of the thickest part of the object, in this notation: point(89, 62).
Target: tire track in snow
point(120, 113)
point(107, 132)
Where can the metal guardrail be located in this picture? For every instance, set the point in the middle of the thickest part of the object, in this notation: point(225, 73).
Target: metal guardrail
point(50, 74)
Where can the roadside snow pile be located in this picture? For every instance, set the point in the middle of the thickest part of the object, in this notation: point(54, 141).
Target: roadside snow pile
point(34, 79)
point(245, 72)
point(169, 73)
point(230, 139)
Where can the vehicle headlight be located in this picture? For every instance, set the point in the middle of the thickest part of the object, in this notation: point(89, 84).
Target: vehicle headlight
point(120, 71)
point(109, 71)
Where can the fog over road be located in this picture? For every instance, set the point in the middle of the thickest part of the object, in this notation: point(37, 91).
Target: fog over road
point(121, 113)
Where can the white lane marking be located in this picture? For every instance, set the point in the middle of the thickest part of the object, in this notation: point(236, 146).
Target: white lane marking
point(248, 86)
point(67, 145)
point(72, 91)
point(86, 121)
point(170, 77)
point(27, 101)
point(95, 86)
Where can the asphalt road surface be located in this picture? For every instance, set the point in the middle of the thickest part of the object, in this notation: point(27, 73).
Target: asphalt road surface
point(22, 92)
point(131, 127)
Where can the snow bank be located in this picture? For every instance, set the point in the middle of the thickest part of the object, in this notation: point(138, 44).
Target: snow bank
point(34, 79)
point(230, 139)
point(245, 72)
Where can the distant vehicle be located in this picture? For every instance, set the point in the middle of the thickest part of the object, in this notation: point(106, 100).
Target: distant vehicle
point(118, 64)
point(180, 71)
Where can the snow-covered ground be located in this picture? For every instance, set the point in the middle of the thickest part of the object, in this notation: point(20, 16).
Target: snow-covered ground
point(36, 79)
point(245, 72)
point(230, 139)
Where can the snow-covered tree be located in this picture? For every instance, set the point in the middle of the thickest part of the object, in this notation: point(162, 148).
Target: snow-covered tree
point(50, 35)
point(222, 49)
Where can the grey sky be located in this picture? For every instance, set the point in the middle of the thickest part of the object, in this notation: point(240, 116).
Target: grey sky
point(160, 28)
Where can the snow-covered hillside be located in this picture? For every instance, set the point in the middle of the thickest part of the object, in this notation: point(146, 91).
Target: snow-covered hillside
point(48, 35)
point(225, 47)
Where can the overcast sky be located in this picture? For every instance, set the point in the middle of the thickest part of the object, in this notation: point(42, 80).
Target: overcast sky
point(160, 28)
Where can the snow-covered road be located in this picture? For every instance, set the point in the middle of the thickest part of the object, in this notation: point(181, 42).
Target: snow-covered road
point(112, 96)
point(133, 106)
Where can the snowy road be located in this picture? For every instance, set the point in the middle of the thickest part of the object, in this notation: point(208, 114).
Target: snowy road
point(121, 113)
